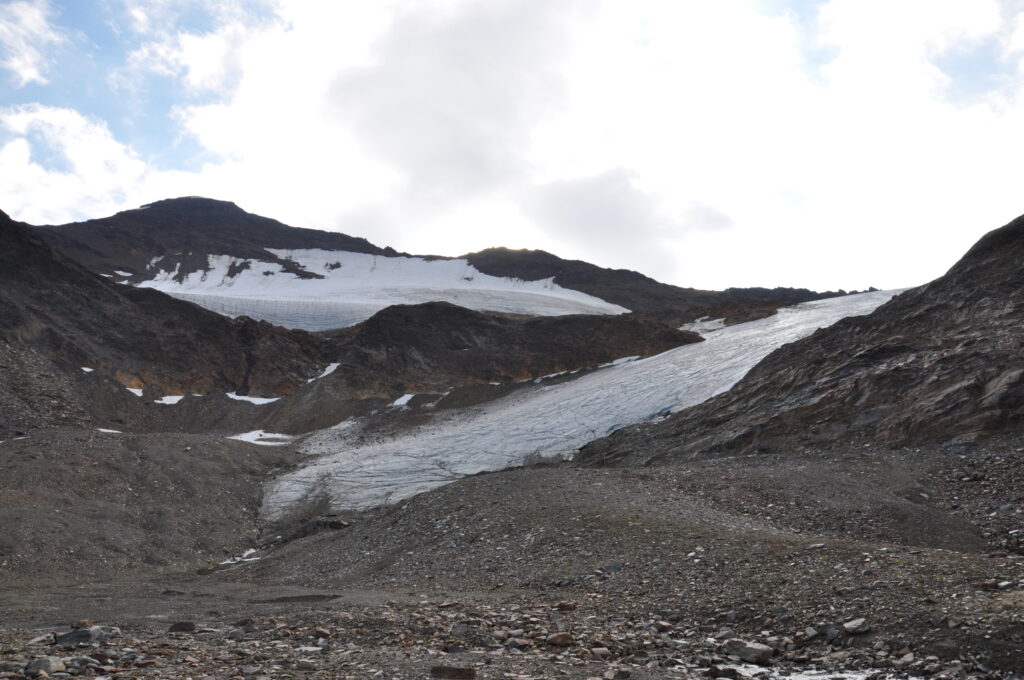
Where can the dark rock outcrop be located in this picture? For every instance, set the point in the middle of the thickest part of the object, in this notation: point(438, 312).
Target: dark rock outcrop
point(939, 362)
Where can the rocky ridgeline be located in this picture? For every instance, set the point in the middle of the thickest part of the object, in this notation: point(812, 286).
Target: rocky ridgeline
point(449, 639)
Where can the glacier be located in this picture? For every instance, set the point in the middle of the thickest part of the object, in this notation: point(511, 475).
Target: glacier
point(355, 286)
point(542, 421)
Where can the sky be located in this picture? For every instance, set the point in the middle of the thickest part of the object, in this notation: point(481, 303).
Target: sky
point(708, 143)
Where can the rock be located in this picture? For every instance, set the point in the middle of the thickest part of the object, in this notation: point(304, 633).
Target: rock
point(81, 623)
point(182, 627)
point(44, 664)
point(856, 627)
point(751, 652)
point(305, 665)
point(560, 639)
point(11, 666)
point(452, 673)
point(565, 606)
point(724, 672)
point(90, 634)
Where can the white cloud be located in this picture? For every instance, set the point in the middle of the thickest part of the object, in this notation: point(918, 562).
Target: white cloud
point(26, 35)
point(738, 147)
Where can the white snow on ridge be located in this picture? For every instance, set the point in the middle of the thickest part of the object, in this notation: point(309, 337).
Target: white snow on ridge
point(402, 400)
point(137, 391)
point(259, 401)
point(547, 421)
point(170, 399)
point(356, 286)
point(331, 368)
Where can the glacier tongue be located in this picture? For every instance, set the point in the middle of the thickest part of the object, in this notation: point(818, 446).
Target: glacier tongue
point(545, 421)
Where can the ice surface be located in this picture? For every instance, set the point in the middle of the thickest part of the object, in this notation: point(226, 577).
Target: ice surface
point(356, 286)
point(252, 400)
point(545, 421)
point(137, 391)
point(263, 438)
point(170, 399)
point(331, 368)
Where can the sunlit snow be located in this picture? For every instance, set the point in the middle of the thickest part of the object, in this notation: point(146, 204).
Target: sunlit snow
point(86, 369)
point(170, 399)
point(106, 431)
point(252, 400)
point(331, 368)
point(263, 438)
point(546, 421)
point(356, 286)
point(402, 400)
point(137, 391)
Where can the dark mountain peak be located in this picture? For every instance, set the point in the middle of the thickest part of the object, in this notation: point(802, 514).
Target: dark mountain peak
point(193, 204)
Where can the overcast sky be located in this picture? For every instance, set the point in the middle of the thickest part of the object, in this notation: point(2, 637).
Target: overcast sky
point(708, 143)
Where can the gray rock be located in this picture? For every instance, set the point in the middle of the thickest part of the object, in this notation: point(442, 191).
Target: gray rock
point(751, 652)
point(90, 634)
point(856, 627)
point(11, 666)
point(45, 664)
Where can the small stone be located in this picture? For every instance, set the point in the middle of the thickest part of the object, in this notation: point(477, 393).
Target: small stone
point(601, 652)
point(81, 623)
point(751, 652)
point(856, 627)
point(321, 633)
point(90, 634)
point(44, 665)
point(452, 673)
point(182, 627)
point(565, 606)
point(560, 639)
point(305, 665)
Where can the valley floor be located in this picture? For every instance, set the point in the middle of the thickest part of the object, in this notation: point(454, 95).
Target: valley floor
point(569, 572)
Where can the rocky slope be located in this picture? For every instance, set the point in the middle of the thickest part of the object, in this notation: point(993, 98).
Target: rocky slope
point(54, 309)
point(640, 293)
point(940, 362)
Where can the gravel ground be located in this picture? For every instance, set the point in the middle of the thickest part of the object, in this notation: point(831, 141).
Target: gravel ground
point(656, 569)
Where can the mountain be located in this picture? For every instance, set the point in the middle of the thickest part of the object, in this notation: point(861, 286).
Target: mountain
point(217, 255)
point(640, 293)
point(71, 341)
point(58, 316)
point(937, 363)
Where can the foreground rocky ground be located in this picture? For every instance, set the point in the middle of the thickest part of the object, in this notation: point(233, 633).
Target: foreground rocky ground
point(857, 560)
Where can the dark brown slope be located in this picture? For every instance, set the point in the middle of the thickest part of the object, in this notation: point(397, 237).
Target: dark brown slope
point(53, 309)
point(184, 231)
point(640, 293)
point(938, 362)
point(428, 346)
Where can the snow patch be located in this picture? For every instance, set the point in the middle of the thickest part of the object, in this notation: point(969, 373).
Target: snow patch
point(263, 438)
point(86, 369)
point(252, 400)
point(103, 429)
point(137, 391)
point(244, 557)
point(170, 399)
point(121, 273)
point(331, 368)
point(402, 400)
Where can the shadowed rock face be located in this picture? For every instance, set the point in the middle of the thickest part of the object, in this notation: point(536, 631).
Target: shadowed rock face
point(940, 361)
